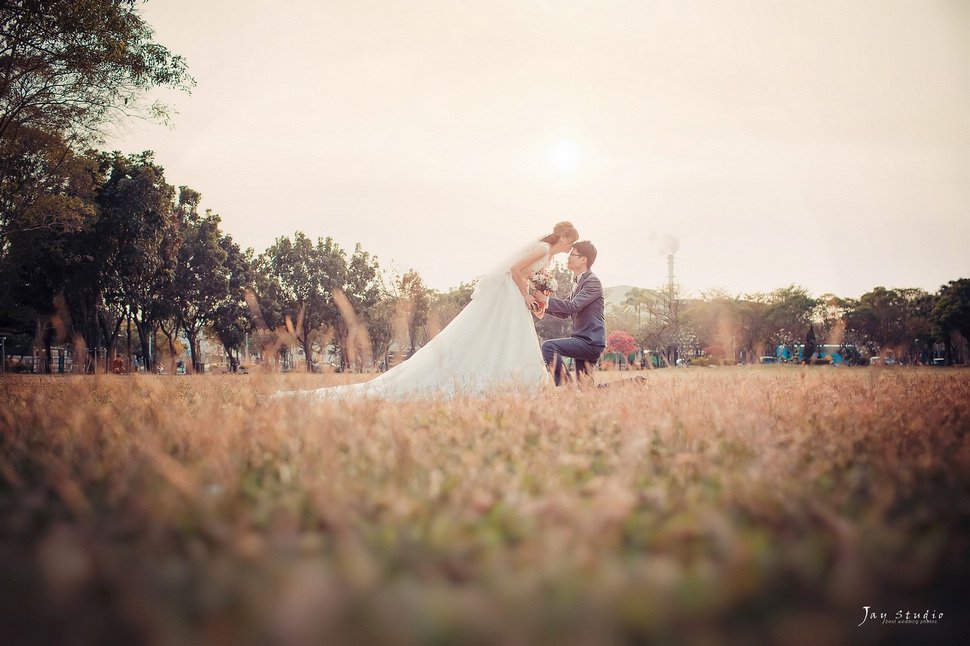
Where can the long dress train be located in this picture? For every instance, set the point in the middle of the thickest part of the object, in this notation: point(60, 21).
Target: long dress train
point(491, 345)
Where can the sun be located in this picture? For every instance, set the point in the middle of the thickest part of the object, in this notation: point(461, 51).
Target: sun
point(565, 156)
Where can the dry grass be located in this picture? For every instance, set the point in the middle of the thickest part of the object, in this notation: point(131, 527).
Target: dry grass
point(740, 506)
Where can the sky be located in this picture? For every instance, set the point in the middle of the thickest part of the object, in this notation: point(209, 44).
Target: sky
point(824, 144)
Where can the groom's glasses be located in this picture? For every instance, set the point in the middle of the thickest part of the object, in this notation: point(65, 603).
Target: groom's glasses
point(573, 253)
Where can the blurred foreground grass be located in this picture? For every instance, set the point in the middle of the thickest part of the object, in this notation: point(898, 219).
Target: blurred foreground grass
point(759, 505)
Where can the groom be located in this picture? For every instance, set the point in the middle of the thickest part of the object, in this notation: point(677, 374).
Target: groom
point(585, 308)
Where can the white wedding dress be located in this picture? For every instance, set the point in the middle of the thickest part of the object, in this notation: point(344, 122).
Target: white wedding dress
point(490, 346)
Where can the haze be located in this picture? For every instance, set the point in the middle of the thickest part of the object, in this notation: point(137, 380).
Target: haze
point(825, 144)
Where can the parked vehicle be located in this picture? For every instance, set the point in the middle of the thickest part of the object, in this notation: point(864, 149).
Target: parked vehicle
point(882, 361)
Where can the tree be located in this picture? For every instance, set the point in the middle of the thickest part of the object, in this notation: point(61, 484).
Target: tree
point(951, 313)
point(639, 300)
point(233, 320)
point(715, 322)
point(39, 263)
point(38, 187)
point(620, 317)
point(878, 320)
point(380, 326)
point(364, 290)
point(621, 343)
point(137, 240)
point(202, 279)
point(39, 268)
point(266, 306)
point(661, 327)
point(185, 214)
point(828, 317)
point(300, 279)
point(416, 301)
point(67, 66)
point(445, 306)
point(112, 263)
point(787, 314)
point(753, 325)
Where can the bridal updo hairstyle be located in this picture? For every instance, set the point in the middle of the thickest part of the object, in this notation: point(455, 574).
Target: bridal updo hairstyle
point(562, 230)
point(586, 249)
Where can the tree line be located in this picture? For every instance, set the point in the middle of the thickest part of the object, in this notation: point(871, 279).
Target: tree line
point(95, 245)
point(140, 262)
point(97, 250)
point(909, 324)
point(132, 261)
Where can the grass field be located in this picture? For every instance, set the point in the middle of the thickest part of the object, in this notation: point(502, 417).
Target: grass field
point(730, 505)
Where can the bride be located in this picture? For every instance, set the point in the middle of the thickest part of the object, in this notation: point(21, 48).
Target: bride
point(490, 345)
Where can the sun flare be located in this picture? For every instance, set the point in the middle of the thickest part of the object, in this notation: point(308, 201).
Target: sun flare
point(565, 156)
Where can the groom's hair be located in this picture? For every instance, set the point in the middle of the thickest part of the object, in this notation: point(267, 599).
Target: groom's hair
point(586, 248)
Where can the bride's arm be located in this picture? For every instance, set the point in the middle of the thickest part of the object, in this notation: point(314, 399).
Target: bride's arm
point(520, 273)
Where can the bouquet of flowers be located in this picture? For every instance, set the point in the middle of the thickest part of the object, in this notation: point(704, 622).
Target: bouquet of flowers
point(542, 285)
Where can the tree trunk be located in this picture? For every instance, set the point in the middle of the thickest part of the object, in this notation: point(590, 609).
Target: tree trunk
point(146, 352)
point(110, 339)
point(193, 364)
point(170, 336)
point(154, 350)
point(48, 358)
point(44, 337)
point(307, 351)
point(197, 364)
point(192, 334)
point(233, 359)
point(343, 346)
point(92, 330)
point(128, 339)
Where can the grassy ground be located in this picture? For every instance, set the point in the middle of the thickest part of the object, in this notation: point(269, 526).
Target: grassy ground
point(742, 505)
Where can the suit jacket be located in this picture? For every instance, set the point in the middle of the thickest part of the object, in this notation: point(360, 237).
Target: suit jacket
point(585, 307)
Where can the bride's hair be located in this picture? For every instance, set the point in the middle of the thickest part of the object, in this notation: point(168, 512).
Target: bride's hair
point(562, 230)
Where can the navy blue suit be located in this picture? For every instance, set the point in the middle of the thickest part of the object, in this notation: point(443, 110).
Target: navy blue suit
point(588, 340)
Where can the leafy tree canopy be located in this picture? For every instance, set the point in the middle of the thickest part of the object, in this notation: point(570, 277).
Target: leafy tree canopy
point(66, 68)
